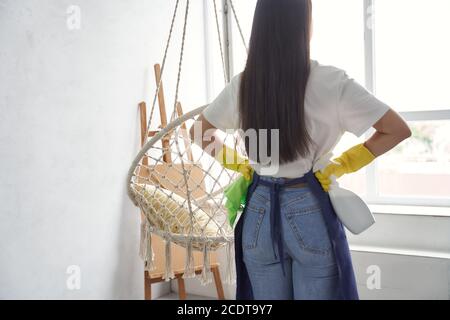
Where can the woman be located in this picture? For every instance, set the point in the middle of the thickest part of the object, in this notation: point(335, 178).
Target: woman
point(289, 242)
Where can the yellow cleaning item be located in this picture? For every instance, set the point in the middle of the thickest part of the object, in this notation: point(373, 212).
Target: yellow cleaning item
point(230, 159)
point(350, 161)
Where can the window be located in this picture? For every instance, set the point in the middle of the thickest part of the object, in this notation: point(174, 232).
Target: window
point(408, 69)
point(399, 50)
point(337, 32)
point(424, 163)
point(412, 53)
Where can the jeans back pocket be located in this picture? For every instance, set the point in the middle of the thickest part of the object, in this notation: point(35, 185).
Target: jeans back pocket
point(308, 225)
point(252, 224)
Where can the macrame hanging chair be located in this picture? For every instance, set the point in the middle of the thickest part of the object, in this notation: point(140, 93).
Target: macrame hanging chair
point(179, 187)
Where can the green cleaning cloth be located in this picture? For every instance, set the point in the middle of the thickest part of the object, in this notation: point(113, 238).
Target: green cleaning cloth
point(236, 194)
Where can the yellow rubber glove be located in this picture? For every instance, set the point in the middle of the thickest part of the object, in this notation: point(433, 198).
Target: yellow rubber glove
point(350, 161)
point(230, 159)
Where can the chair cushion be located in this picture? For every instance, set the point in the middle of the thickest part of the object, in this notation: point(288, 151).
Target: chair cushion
point(169, 212)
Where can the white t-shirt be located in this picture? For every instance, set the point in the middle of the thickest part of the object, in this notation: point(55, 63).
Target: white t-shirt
point(334, 104)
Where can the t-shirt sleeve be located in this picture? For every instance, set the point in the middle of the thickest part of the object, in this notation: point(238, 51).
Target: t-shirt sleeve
point(358, 109)
point(223, 112)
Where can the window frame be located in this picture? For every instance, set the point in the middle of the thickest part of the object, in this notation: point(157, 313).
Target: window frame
point(373, 196)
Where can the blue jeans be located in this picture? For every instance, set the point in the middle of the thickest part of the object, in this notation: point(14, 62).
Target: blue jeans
point(310, 266)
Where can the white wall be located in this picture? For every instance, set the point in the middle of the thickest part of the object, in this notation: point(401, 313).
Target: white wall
point(411, 252)
point(68, 132)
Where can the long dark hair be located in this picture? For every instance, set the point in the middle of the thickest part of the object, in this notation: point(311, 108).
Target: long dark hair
point(273, 84)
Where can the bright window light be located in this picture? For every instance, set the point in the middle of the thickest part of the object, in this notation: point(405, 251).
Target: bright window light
point(412, 52)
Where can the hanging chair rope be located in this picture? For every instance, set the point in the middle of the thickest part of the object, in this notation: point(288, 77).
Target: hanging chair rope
point(176, 206)
point(166, 50)
point(144, 153)
point(180, 63)
point(185, 178)
point(238, 25)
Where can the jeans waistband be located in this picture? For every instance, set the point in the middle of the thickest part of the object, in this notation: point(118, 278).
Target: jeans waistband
point(281, 181)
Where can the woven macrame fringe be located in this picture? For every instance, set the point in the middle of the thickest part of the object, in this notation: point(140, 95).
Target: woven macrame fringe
point(189, 268)
point(168, 271)
point(230, 274)
point(206, 276)
point(145, 248)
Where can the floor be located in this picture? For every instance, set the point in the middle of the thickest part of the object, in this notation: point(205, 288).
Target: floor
point(174, 296)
